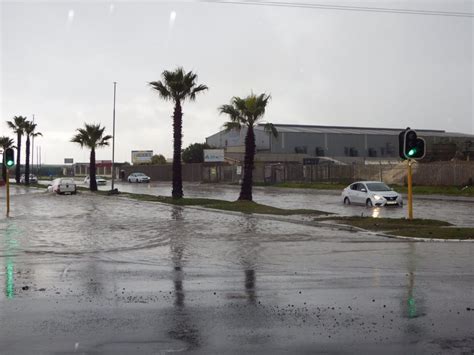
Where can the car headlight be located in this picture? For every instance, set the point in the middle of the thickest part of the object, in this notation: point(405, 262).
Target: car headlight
point(378, 197)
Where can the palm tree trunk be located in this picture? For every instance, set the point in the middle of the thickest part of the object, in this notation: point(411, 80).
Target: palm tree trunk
point(177, 191)
point(27, 161)
point(247, 182)
point(4, 167)
point(18, 155)
point(92, 169)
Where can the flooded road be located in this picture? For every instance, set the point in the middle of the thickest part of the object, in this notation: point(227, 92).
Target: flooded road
point(457, 212)
point(88, 274)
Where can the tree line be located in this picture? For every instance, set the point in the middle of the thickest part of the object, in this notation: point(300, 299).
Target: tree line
point(177, 86)
point(21, 126)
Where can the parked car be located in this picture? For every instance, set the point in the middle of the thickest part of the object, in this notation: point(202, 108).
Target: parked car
point(371, 193)
point(138, 177)
point(33, 179)
point(63, 186)
point(100, 180)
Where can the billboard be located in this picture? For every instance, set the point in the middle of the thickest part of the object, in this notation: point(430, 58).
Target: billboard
point(141, 156)
point(213, 155)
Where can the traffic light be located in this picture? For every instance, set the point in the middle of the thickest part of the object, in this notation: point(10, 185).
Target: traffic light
point(9, 158)
point(411, 146)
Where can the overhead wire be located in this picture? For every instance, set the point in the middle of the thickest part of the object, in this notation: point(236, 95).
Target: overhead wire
point(342, 7)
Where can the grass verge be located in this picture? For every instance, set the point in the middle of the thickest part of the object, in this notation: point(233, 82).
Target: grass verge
point(237, 206)
point(419, 228)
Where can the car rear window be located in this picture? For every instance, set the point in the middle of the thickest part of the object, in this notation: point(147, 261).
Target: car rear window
point(66, 181)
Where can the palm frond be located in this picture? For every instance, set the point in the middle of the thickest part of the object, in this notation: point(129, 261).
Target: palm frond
point(163, 91)
point(196, 90)
point(91, 136)
point(270, 128)
point(178, 85)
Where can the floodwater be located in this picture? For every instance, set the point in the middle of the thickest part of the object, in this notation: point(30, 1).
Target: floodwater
point(88, 274)
point(456, 212)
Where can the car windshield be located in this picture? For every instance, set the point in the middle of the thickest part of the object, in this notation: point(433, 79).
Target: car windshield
point(140, 174)
point(378, 186)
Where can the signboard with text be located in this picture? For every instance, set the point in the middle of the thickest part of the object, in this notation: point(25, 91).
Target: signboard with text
point(213, 155)
point(141, 156)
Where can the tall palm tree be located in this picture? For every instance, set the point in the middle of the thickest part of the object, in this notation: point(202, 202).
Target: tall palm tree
point(177, 86)
point(5, 142)
point(92, 137)
point(29, 129)
point(18, 125)
point(247, 112)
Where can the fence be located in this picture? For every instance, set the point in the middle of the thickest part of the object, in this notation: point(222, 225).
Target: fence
point(444, 173)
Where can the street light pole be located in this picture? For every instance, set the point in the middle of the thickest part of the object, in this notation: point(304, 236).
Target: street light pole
point(113, 140)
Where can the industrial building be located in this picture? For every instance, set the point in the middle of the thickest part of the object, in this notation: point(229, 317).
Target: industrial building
point(344, 144)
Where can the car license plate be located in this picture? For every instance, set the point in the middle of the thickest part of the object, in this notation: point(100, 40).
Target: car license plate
point(391, 202)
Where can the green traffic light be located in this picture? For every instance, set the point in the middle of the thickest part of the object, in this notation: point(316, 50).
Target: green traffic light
point(412, 152)
point(10, 163)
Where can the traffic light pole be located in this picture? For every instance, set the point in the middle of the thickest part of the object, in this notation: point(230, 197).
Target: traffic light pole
point(7, 184)
point(410, 190)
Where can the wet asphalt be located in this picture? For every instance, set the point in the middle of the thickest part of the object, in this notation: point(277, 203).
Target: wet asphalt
point(91, 275)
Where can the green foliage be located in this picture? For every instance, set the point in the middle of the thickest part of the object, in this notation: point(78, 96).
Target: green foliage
point(6, 142)
point(158, 159)
point(91, 136)
point(177, 85)
point(194, 153)
point(246, 111)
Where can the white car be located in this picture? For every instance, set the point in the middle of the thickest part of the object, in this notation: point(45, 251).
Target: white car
point(63, 186)
point(138, 177)
point(99, 180)
point(33, 179)
point(371, 193)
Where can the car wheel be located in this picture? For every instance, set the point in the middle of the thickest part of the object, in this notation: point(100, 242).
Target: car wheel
point(129, 181)
point(347, 201)
point(368, 203)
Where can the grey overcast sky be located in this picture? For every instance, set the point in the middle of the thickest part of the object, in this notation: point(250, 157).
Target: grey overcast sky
point(59, 60)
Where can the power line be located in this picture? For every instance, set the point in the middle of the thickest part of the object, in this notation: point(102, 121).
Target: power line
point(342, 8)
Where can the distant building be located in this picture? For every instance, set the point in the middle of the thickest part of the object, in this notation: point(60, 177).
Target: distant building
point(345, 144)
point(103, 167)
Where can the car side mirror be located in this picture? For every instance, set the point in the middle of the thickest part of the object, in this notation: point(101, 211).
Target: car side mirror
point(363, 190)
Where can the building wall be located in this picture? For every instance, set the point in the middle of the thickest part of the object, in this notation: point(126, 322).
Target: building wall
point(236, 138)
point(341, 146)
point(335, 144)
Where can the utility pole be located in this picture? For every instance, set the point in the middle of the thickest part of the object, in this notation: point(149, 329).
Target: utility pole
point(33, 148)
point(113, 139)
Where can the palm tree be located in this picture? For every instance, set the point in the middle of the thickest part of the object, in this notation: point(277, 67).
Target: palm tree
point(246, 113)
point(18, 125)
point(91, 136)
point(5, 142)
point(29, 129)
point(177, 86)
